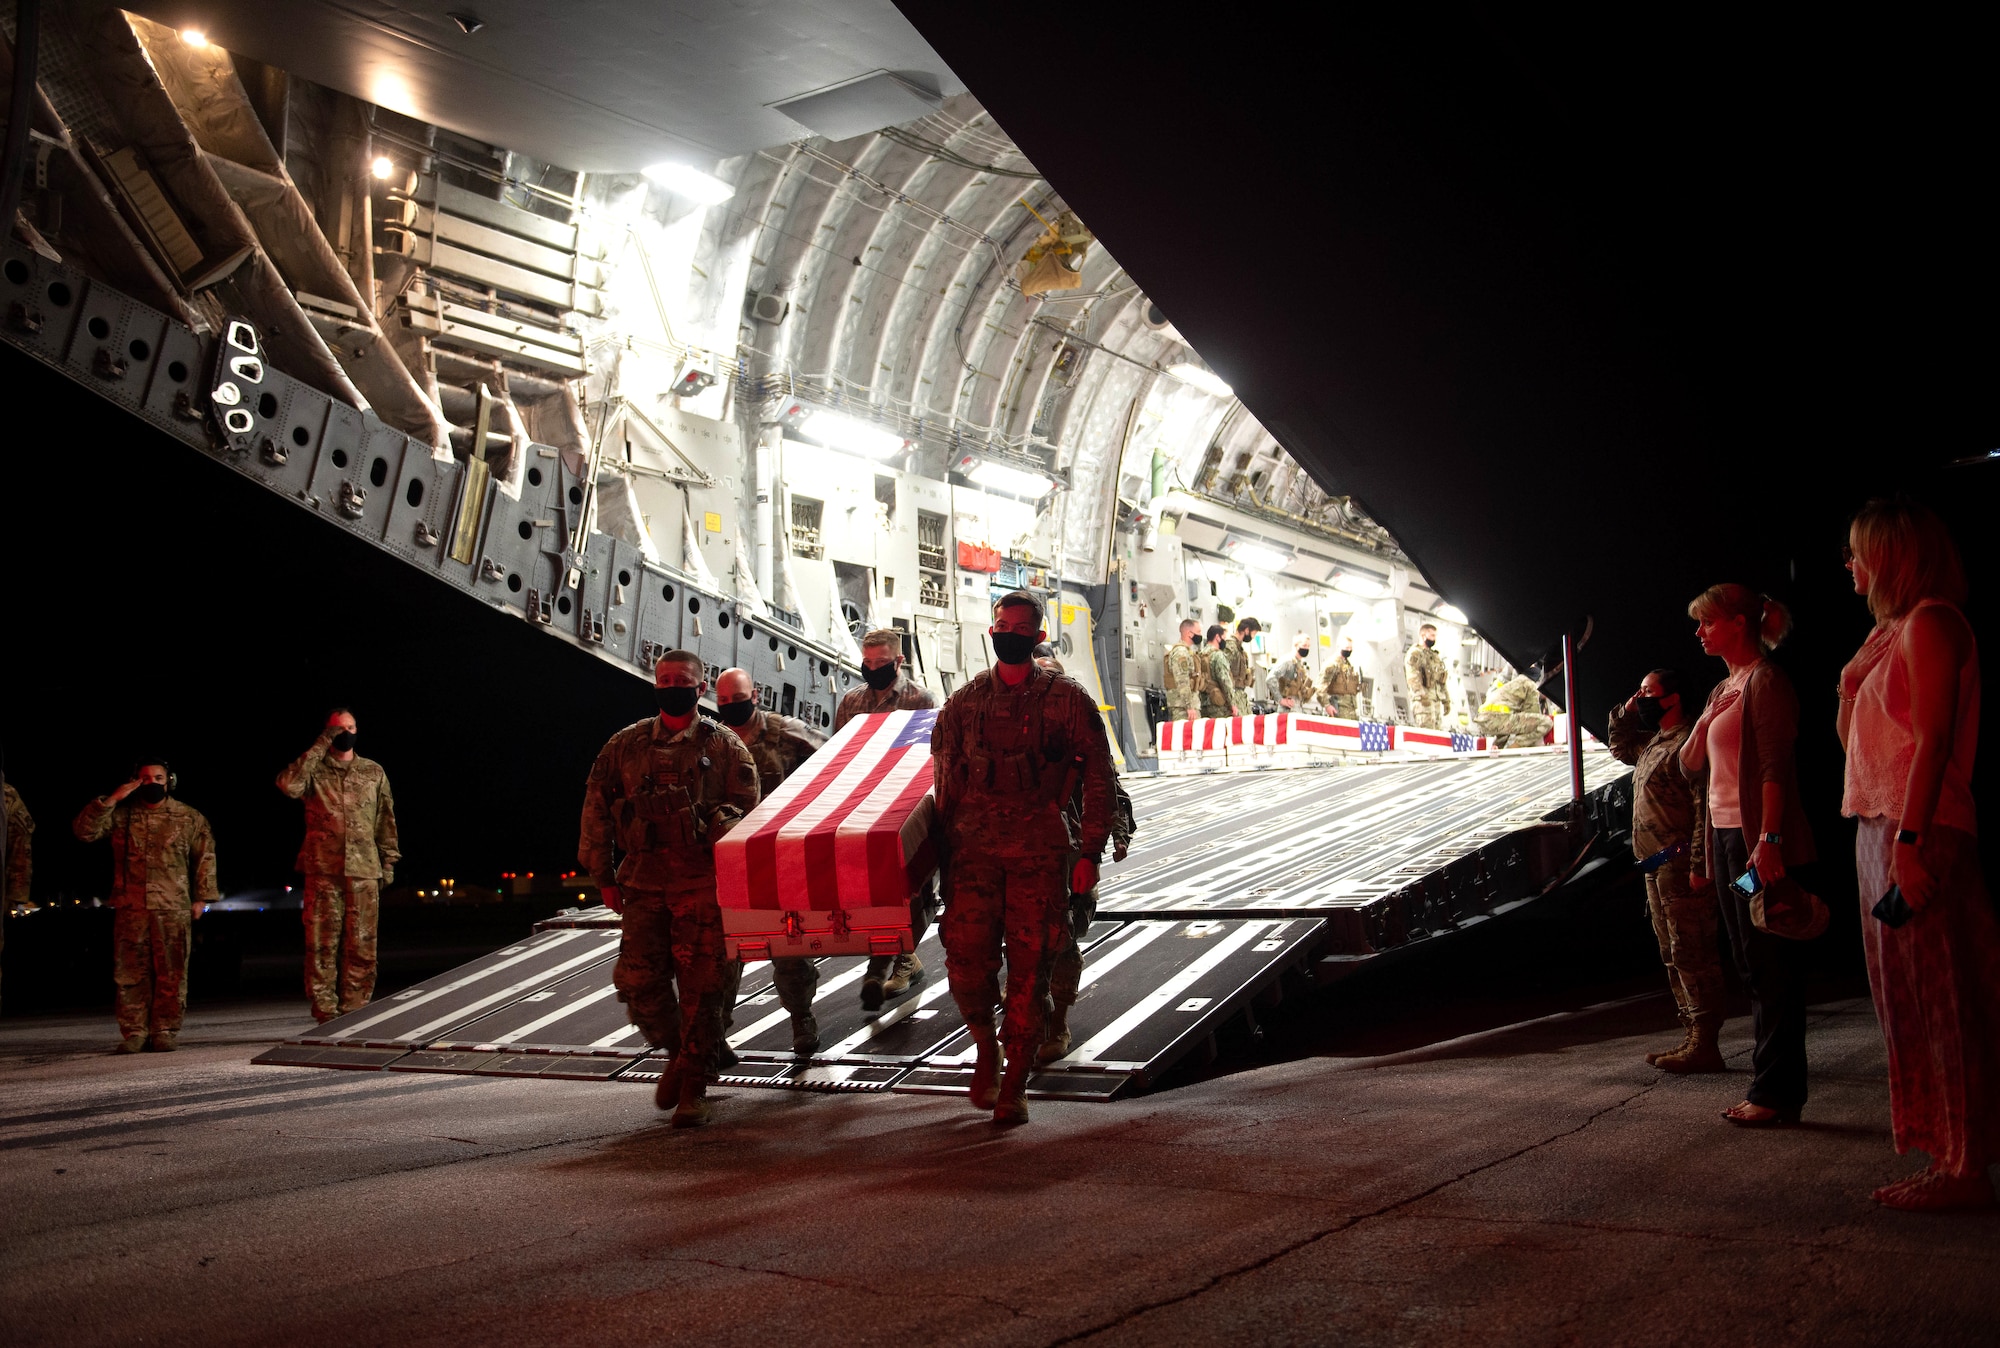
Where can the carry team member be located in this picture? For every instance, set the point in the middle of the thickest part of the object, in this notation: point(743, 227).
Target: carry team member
point(1012, 747)
point(660, 795)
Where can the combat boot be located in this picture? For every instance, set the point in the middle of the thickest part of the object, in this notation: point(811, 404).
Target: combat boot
point(164, 1041)
point(667, 1091)
point(985, 1070)
point(132, 1043)
point(871, 983)
point(906, 973)
point(1687, 1037)
point(1011, 1106)
point(805, 1035)
point(1700, 1055)
point(692, 1111)
point(1056, 1044)
point(726, 1056)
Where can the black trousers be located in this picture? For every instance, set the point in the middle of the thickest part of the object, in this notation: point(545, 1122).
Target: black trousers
point(1774, 971)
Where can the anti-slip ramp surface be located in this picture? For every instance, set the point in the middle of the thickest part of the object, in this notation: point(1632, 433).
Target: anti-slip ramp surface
point(1233, 883)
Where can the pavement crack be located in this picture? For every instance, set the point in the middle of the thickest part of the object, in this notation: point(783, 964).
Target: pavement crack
point(835, 1284)
point(1344, 1225)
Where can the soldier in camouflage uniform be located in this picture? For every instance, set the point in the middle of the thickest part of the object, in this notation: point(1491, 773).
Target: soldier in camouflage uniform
point(1183, 682)
point(887, 687)
point(1216, 682)
point(1430, 691)
point(1669, 826)
point(660, 795)
point(778, 744)
point(160, 848)
point(348, 858)
point(1012, 748)
point(1292, 681)
point(1343, 684)
point(20, 854)
point(1512, 715)
point(1240, 676)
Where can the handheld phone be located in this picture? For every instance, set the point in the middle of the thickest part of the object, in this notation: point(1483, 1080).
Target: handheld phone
point(1747, 884)
point(1892, 910)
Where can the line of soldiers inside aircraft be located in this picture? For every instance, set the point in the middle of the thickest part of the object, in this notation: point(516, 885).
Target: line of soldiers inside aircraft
point(1210, 675)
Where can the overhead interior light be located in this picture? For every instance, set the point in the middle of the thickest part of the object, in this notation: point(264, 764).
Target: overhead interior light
point(194, 37)
point(1206, 380)
point(851, 435)
point(691, 183)
point(1261, 557)
point(1452, 613)
point(1013, 481)
point(383, 166)
point(1360, 587)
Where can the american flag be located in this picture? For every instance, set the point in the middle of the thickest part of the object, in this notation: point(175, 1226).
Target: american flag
point(1464, 742)
point(1375, 737)
point(849, 830)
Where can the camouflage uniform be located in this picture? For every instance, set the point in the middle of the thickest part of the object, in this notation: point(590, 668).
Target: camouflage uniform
point(1217, 686)
point(1512, 716)
point(156, 852)
point(20, 851)
point(902, 695)
point(1430, 692)
point(1343, 687)
point(349, 853)
point(656, 803)
point(1066, 969)
point(1008, 761)
point(1182, 682)
point(1667, 811)
point(1239, 676)
point(1293, 679)
point(781, 743)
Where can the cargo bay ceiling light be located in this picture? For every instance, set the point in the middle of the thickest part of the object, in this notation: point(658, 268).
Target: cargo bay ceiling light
point(383, 166)
point(691, 183)
point(1360, 587)
point(1013, 481)
point(1259, 556)
point(194, 37)
point(1195, 377)
point(1452, 613)
point(851, 435)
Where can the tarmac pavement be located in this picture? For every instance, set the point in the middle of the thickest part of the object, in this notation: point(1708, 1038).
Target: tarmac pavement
point(1459, 1182)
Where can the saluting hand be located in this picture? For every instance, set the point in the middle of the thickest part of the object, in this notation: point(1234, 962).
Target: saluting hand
point(125, 790)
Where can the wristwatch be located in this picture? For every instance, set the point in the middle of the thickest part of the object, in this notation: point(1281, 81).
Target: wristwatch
point(1909, 837)
point(1775, 839)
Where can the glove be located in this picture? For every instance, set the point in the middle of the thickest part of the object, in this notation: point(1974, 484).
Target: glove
point(388, 876)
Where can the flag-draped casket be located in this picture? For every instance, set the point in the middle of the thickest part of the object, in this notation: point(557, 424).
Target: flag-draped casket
point(827, 862)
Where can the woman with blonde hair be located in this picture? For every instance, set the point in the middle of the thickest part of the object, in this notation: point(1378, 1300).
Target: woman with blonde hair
point(1740, 754)
point(1909, 720)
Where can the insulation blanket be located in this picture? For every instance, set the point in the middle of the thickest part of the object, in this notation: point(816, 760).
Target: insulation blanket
point(826, 864)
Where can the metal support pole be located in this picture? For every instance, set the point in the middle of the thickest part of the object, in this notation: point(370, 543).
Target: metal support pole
point(20, 109)
point(1575, 727)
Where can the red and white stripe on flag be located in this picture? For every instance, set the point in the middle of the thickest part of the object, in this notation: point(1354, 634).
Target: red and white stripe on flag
point(1269, 729)
point(1189, 737)
point(850, 829)
point(1419, 740)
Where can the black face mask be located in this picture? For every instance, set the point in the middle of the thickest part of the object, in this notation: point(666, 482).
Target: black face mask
point(152, 793)
point(880, 677)
point(737, 712)
point(1012, 648)
point(342, 742)
point(677, 702)
point(1304, 651)
point(1430, 642)
point(1346, 652)
point(1649, 712)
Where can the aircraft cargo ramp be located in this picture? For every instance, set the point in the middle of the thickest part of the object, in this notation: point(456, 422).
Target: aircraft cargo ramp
point(1239, 890)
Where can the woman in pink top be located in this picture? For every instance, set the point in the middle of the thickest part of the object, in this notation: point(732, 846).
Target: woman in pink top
point(1909, 719)
point(1740, 752)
